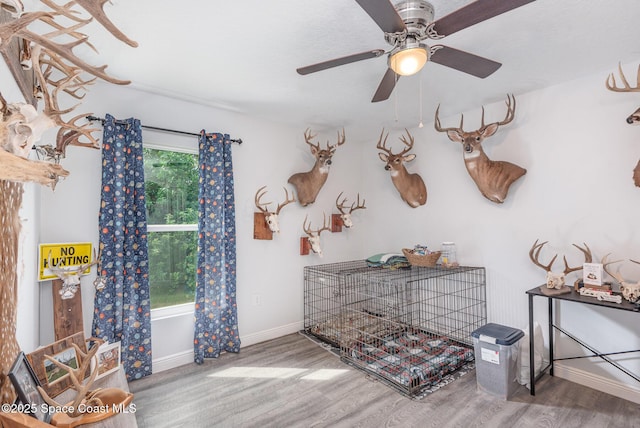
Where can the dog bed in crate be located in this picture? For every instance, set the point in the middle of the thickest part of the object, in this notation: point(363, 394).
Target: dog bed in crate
point(412, 360)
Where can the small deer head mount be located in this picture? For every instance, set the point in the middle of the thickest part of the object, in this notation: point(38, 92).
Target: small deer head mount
point(493, 178)
point(411, 187)
point(271, 217)
point(630, 290)
point(70, 275)
point(314, 235)
point(308, 184)
point(344, 215)
point(634, 118)
point(557, 280)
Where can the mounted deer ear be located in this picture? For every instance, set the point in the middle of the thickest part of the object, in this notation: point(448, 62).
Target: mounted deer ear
point(383, 157)
point(409, 158)
point(454, 136)
point(489, 130)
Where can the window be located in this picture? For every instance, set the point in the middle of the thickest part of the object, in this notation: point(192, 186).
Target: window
point(171, 186)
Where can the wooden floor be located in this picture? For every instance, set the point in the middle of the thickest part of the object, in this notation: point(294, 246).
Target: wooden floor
point(292, 382)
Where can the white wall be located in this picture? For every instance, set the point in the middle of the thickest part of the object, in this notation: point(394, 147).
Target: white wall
point(571, 138)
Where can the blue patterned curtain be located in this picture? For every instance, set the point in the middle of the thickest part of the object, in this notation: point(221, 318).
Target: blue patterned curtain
point(122, 308)
point(216, 322)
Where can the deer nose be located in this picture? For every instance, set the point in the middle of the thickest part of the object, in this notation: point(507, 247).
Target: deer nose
point(328, 162)
point(630, 120)
point(467, 148)
point(387, 167)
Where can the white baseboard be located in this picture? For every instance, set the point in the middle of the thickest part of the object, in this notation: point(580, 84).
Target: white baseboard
point(186, 357)
point(600, 383)
point(262, 336)
point(172, 361)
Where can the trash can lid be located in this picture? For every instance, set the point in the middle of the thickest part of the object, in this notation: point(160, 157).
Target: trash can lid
point(499, 334)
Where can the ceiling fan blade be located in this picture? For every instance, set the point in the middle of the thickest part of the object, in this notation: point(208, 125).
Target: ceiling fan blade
point(340, 61)
point(474, 13)
point(386, 86)
point(464, 61)
point(384, 14)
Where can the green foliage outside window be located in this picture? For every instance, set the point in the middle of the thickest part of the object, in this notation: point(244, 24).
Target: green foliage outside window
point(171, 187)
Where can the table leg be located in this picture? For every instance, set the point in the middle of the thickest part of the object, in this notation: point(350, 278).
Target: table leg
point(550, 336)
point(532, 369)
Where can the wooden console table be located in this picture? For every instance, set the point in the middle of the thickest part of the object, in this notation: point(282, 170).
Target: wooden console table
point(576, 298)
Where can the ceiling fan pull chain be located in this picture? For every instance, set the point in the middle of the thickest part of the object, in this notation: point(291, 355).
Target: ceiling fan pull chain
point(395, 98)
point(420, 125)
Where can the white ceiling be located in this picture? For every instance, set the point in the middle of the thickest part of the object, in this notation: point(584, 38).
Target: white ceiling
point(242, 56)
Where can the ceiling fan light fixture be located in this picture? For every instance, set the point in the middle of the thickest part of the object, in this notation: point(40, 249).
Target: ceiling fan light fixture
point(409, 60)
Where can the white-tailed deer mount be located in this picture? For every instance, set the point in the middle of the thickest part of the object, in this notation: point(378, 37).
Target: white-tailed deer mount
point(557, 280)
point(313, 235)
point(410, 185)
point(630, 290)
point(493, 178)
point(271, 217)
point(634, 118)
point(308, 184)
point(70, 275)
point(345, 216)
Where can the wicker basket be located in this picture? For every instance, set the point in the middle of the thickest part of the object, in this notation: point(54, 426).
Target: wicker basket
point(427, 260)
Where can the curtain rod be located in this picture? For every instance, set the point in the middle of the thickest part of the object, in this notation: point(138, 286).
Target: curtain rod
point(92, 118)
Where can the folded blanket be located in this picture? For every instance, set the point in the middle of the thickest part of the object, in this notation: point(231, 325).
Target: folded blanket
point(388, 260)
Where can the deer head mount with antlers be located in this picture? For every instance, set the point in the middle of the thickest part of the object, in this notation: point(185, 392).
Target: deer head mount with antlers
point(630, 290)
point(271, 217)
point(557, 280)
point(411, 186)
point(633, 118)
point(493, 178)
point(308, 184)
point(345, 216)
point(314, 235)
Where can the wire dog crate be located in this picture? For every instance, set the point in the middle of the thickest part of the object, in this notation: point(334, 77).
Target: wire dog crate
point(408, 327)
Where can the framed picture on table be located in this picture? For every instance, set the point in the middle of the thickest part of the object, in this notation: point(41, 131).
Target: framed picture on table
point(26, 385)
point(107, 359)
point(53, 379)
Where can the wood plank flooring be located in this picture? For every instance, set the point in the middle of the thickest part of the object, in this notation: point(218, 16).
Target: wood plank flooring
point(231, 392)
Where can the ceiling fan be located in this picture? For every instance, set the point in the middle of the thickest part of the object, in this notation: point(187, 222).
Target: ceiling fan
point(407, 24)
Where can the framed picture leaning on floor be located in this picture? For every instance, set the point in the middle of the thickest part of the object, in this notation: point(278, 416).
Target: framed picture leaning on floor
point(26, 385)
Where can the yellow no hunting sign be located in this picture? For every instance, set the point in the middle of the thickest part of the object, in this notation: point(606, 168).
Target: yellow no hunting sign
point(62, 255)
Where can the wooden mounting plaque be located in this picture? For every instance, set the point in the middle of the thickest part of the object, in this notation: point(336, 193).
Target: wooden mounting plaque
point(67, 313)
point(260, 228)
point(305, 246)
point(336, 223)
